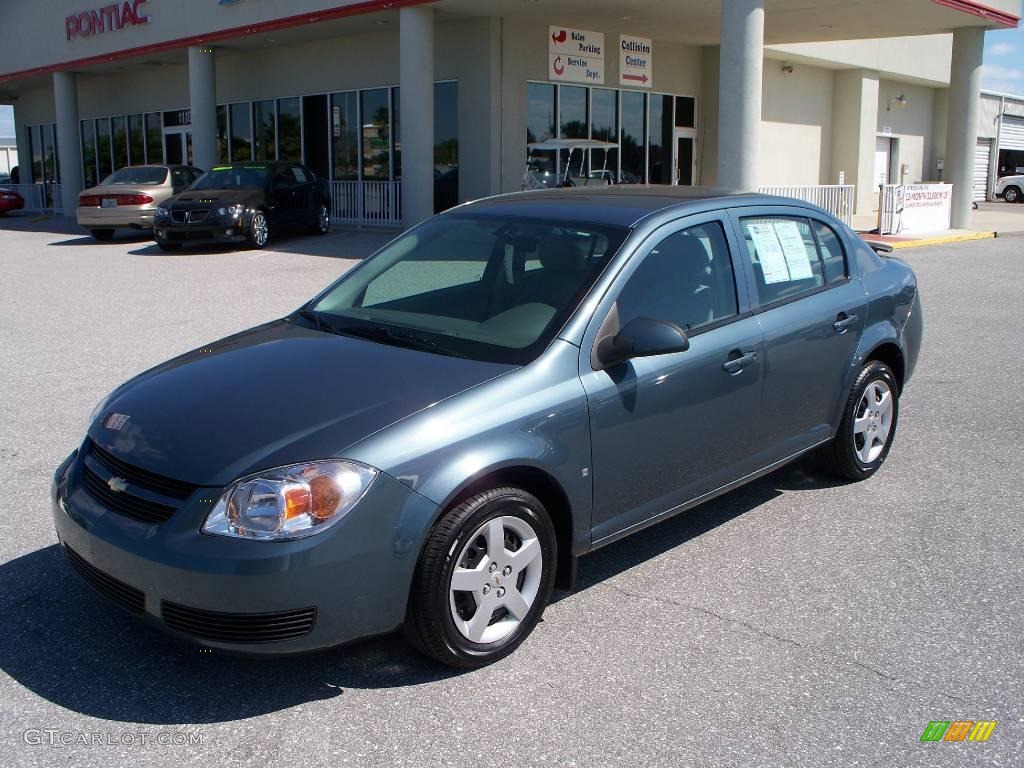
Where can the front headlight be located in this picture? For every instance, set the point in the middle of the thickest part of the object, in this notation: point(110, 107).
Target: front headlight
point(290, 502)
point(231, 210)
point(162, 213)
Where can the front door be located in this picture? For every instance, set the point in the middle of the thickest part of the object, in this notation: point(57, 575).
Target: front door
point(684, 157)
point(668, 429)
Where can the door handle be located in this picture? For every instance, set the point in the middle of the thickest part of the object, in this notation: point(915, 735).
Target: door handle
point(735, 365)
point(843, 321)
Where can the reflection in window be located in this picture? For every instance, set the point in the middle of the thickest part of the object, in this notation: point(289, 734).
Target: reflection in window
point(376, 149)
point(540, 123)
point(345, 136)
point(572, 114)
point(241, 132)
point(266, 142)
point(50, 170)
point(136, 140)
point(120, 136)
point(103, 147)
point(633, 132)
point(603, 127)
point(88, 153)
point(446, 145)
point(35, 144)
point(289, 129)
point(154, 138)
point(659, 155)
point(222, 134)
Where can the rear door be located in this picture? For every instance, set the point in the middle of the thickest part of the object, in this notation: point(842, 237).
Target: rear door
point(812, 313)
point(668, 429)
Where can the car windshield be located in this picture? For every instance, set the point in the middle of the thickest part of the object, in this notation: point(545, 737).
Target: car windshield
point(472, 285)
point(143, 174)
point(233, 177)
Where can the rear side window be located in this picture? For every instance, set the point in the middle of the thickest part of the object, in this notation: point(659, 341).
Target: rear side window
point(831, 253)
point(686, 278)
point(784, 255)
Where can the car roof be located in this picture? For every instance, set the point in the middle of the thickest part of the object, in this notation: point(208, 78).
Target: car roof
point(622, 205)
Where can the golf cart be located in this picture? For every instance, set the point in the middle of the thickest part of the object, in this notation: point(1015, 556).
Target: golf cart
point(539, 177)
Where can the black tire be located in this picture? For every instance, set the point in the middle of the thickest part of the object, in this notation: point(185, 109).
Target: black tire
point(1012, 194)
point(322, 225)
point(257, 237)
point(102, 234)
point(168, 246)
point(429, 624)
point(840, 456)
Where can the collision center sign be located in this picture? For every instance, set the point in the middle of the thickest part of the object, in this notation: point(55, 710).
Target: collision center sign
point(106, 19)
point(636, 61)
point(575, 55)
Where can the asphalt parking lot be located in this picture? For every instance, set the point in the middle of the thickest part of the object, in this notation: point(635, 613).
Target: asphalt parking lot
point(794, 622)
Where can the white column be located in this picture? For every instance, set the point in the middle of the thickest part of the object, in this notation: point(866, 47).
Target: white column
point(739, 93)
point(69, 140)
point(962, 130)
point(202, 90)
point(416, 78)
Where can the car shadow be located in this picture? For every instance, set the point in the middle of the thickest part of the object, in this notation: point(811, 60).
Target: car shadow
point(128, 236)
point(67, 645)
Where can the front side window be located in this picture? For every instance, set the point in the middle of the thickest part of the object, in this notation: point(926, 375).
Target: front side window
point(687, 279)
point(784, 255)
point(487, 287)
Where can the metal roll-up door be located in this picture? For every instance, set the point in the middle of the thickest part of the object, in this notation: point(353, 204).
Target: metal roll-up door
point(982, 158)
point(1011, 135)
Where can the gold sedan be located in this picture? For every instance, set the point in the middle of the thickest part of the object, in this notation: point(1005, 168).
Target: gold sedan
point(129, 196)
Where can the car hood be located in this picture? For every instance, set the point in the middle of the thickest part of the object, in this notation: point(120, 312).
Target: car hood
point(218, 196)
point(276, 394)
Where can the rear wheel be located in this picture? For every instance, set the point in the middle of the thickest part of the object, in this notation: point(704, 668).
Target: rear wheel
point(483, 579)
point(1011, 194)
point(102, 234)
point(259, 230)
point(323, 220)
point(868, 427)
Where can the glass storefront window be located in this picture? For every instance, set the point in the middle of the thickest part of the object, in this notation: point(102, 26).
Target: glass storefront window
point(35, 149)
point(376, 134)
point(604, 127)
point(50, 172)
point(266, 131)
point(396, 132)
point(89, 153)
point(241, 132)
point(446, 145)
point(686, 112)
point(540, 123)
point(154, 138)
point(289, 129)
point(345, 136)
point(103, 148)
point(659, 137)
point(136, 140)
point(222, 134)
point(633, 132)
point(572, 124)
point(316, 134)
point(120, 137)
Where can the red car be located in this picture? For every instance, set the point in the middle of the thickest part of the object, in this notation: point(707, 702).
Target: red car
point(10, 201)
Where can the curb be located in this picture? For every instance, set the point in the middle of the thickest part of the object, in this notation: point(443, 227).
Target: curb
point(941, 240)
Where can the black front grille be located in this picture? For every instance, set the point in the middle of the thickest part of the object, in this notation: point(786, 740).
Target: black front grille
point(197, 217)
point(239, 627)
point(125, 503)
point(124, 595)
point(143, 478)
point(178, 217)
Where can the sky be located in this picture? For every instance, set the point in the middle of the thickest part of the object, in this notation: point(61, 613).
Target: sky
point(1003, 71)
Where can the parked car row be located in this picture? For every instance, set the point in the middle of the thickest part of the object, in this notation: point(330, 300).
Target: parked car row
point(10, 200)
point(235, 203)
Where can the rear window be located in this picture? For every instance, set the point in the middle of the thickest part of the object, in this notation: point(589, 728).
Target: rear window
point(137, 175)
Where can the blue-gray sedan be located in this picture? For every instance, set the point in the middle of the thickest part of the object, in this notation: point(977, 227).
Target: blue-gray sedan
point(434, 440)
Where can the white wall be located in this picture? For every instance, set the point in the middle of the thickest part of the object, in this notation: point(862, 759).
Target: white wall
point(911, 124)
point(796, 128)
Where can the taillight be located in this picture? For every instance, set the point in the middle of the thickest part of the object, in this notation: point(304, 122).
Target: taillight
point(133, 199)
point(89, 201)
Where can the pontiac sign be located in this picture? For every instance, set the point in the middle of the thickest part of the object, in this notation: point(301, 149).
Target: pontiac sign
point(105, 19)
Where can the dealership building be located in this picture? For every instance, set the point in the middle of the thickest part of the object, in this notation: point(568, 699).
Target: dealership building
point(406, 106)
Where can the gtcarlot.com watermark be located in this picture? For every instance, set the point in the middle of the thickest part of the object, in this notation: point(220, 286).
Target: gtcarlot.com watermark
point(56, 737)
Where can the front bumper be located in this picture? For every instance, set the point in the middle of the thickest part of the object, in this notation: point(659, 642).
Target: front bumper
point(351, 581)
point(213, 229)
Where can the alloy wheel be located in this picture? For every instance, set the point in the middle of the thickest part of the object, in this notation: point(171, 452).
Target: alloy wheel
point(259, 229)
point(325, 219)
point(496, 579)
point(872, 421)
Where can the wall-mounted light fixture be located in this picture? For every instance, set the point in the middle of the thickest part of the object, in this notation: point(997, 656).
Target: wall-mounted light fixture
point(897, 101)
point(787, 68)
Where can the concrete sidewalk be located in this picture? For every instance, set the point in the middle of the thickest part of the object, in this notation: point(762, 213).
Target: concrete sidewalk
point(990, 220)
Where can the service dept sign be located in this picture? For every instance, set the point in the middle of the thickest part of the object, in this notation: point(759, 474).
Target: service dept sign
point(106, 19)
point(575, 55)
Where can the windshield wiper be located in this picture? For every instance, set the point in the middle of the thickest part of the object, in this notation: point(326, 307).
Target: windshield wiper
point(398, 338)
point(317, 319)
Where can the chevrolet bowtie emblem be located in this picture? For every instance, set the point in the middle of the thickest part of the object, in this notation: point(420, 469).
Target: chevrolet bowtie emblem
point(117, 484)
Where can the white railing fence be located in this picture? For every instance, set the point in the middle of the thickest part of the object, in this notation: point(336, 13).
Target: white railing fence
point(377, 203)
point(39, 198)
point(837, 199)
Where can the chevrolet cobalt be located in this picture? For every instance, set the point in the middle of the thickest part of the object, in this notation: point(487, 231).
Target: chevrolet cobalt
point(432, 441)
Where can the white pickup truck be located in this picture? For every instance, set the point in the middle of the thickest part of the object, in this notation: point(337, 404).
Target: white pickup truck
point(1010, 188)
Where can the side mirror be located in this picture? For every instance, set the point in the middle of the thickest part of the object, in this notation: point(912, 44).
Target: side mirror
point(641, 337)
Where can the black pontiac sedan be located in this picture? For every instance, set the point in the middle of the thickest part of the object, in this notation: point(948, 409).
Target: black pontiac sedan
point(244, 203)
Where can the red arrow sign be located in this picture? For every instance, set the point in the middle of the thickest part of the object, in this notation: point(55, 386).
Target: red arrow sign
point(638, 78)
point(559, 38)
point(557, 66)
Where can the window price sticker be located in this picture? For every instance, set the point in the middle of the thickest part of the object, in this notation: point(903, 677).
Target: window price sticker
point(795, 251)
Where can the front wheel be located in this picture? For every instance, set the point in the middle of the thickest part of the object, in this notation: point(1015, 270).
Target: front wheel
point(323, 220)
point(483, 579)
point(259, 230)
point(868, 427)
